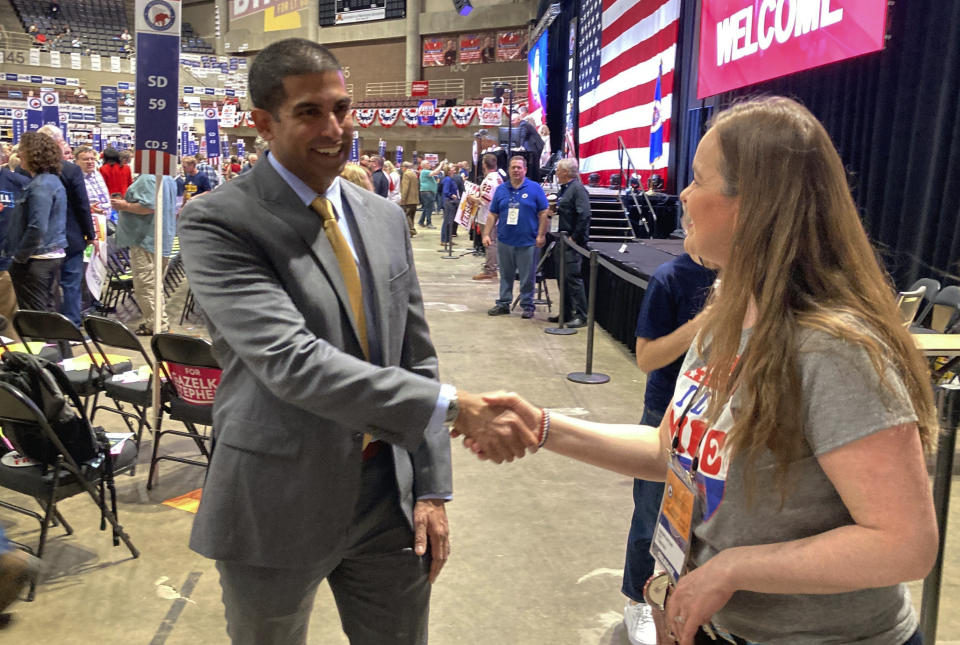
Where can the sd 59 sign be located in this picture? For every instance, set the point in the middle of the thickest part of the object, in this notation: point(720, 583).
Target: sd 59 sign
point(158, 78)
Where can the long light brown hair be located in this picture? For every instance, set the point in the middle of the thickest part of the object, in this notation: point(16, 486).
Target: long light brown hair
point(801, 253)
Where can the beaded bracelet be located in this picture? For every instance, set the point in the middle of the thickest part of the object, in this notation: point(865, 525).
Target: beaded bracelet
point(544, 427)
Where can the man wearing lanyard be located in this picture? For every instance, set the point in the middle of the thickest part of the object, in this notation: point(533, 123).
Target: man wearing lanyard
point(519, 211)
point(97, 191)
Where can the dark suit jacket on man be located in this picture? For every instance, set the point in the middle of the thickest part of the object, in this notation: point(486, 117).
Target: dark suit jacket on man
point(573, 209)
point(296, 394)
point(381, 183)
point(79, 223)
point(530, 139)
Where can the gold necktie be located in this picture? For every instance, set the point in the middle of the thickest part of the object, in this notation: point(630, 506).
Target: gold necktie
point(348, 269)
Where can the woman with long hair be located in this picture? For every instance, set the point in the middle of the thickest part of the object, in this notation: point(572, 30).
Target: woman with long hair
point(355, 173)
point(801, 413)
point(36, 229)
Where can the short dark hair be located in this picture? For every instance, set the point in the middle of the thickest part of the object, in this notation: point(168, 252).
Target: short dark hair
point(520, 157)
point(289, 57)
point(42, 152)
point(82, 150)
point(111, 155)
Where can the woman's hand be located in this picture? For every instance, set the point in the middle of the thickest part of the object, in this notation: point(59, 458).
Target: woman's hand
point(528, 414)
point(698, 596)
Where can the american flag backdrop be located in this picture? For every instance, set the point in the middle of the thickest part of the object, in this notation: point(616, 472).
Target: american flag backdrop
point(623, 43)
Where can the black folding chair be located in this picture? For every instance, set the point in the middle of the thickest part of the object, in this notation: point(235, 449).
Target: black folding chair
point(53, 327)
point(945, 314)
point(118, 286)
point(61, 477)
point(105, 333)
point(191, 374)
point(929, 295)
point(909, 304)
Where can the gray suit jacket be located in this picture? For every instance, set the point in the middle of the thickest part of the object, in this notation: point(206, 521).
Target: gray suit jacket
point(296, 394)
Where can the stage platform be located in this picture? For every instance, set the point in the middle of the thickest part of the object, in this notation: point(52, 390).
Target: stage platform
point(620, 287)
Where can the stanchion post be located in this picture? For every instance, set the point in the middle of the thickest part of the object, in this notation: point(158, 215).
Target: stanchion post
point(560, 330)
point(588, 376)
point(948, 409)
point(447, 228)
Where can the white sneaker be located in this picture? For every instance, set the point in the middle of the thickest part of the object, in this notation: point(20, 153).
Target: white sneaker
point(638, 620)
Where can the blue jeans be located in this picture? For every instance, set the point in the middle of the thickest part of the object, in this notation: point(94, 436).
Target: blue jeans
point(427, 203)
point(449, 212)
point(516, 260)
point(71, 284)
point(646, 507)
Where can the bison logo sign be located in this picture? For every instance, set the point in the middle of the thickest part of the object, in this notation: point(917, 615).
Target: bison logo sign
point(159, 15)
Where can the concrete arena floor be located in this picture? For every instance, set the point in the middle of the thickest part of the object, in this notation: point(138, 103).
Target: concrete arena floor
point(537, 544)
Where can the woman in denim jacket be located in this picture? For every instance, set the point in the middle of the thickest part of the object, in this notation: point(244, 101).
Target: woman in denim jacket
point(37, 226)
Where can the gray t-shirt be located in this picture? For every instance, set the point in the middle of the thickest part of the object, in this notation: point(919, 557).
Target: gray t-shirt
point(843, 401)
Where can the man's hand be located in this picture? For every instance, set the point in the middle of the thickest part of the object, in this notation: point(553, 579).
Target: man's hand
point(499, 433)
point(541, 239)
point(487, 240)
point(430, 524)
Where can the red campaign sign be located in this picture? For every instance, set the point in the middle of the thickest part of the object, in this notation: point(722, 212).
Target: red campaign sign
point(420, 88)
point(470, 48)
point(510, 45)
point(195, 384)
point(433, 52)
point(743, 42)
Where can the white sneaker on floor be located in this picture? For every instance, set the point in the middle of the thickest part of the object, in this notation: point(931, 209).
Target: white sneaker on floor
point(638, 620)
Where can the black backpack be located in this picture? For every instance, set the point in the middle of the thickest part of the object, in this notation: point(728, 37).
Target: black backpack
point(47, 386)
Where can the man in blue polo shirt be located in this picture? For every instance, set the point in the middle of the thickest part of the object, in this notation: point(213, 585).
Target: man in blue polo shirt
point(519, 211)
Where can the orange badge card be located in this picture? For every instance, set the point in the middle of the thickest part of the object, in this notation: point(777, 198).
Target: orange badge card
point(678, 504)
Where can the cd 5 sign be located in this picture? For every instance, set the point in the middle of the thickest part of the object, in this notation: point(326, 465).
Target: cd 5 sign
point(743, 42)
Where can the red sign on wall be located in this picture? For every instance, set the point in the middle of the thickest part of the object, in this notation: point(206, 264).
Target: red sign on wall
point(420, 88)
point(743, 42)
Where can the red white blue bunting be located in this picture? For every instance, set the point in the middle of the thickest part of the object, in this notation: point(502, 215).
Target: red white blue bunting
point(411, 116)
point(365, 116)
point(441, 116)
point(463, 115)
point(388, 116)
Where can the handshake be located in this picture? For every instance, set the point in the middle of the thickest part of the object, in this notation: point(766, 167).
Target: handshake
point(499, 426)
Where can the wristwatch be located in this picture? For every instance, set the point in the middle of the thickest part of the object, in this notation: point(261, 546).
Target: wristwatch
point(453, 410)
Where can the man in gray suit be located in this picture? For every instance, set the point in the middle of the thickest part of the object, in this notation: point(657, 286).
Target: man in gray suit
point(315, 312)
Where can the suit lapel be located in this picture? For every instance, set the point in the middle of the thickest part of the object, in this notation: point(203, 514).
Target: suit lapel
point(373, 246)
point(282, 202)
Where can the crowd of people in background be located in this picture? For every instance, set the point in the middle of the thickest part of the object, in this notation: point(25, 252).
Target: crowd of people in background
point(52, 196)
point(110, 187)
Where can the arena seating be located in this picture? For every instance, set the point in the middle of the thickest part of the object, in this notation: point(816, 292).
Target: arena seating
point(191, 43)
point(96, 23)
point(96, 26)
